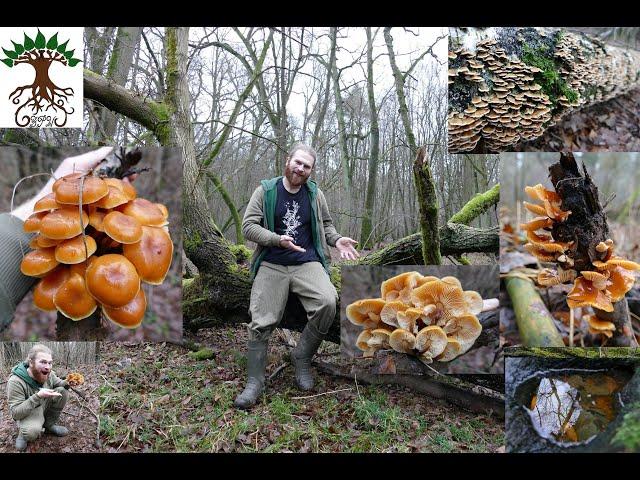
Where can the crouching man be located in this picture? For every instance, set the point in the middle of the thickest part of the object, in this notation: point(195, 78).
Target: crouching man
point(288, 218)
point(36, 396)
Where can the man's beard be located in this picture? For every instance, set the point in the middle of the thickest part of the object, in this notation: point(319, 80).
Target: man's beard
point(294, 179)
point(39, 376)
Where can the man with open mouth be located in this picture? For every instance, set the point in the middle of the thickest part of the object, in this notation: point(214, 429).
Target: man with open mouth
point(36, 396)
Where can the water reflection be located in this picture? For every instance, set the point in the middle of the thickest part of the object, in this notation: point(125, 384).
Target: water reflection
point(574, 408)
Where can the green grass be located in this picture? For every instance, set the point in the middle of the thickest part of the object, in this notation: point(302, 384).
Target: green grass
point(166, 401)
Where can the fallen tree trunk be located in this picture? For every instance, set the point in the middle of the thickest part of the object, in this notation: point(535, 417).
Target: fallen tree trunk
point(466, 395)
point(508, 85)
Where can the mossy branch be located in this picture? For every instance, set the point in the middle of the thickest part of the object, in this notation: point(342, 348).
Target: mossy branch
point(475, 207)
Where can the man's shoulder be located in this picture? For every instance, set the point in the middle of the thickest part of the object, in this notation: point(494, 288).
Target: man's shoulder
point(15, 380)
point(269, 183)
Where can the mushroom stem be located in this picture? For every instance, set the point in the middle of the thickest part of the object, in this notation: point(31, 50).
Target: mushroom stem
point(571, 319)
point(490, 304)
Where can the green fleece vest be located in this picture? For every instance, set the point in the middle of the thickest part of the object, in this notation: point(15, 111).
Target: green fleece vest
point(269, 209)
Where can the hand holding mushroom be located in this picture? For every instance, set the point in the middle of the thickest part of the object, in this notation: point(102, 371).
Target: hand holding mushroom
point(424, 316)
point(97, 240)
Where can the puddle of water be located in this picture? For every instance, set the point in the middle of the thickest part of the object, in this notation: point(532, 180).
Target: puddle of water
point(574, 407)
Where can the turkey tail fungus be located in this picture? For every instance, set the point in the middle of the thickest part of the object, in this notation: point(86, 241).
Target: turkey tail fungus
point(576, 237)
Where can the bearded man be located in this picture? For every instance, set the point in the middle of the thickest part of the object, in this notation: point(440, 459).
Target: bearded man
point(289, 220)
point(36, 396)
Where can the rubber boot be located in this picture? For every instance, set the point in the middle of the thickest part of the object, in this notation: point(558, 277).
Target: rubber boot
point(52, 413)
point(309, 342)
point(57, 430)
point(256, 366)
point(21, 443)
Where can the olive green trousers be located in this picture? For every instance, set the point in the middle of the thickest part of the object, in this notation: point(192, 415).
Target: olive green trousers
point(45, 415)
point(270, 291)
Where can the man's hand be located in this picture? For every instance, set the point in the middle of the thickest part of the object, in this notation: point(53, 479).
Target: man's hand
point(345, 246)
point(287, 242)
point(48, 393)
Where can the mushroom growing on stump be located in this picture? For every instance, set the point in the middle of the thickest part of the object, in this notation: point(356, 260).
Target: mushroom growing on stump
point(96, 241)
point(572, 231)
point(425, 316)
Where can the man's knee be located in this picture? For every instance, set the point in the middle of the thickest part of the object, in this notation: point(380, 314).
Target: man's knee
point(30, 431)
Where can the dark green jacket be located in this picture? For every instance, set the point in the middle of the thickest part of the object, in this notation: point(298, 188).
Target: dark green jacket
point(13, 284)
point(259, 220)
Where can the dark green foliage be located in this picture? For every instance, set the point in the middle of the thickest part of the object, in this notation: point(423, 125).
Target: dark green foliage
point(28, 43)
point(53, 42)
point(8, 62)
point(550, 79)
point(10, 53)
point(17, 47)
point(40, 40)
point(62, 47)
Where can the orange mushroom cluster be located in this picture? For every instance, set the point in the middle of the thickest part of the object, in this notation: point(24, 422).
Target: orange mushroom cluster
point(96, 242)
point(432, 318)
point(75, 378)
point(611, 278)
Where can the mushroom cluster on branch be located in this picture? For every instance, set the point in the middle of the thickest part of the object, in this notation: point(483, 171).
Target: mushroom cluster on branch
point(96, 242)
point(432, 318)
point(75, 378)
point(599, 284)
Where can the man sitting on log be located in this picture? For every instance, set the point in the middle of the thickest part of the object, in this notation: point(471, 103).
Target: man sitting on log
point(36, 396)
point(288, 218)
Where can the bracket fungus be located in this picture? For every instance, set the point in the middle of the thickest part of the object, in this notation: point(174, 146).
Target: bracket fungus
point(424, 316)
point(508, 85)
point(96, 242)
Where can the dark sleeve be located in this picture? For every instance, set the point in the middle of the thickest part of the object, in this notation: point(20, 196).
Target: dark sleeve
point(13, 284)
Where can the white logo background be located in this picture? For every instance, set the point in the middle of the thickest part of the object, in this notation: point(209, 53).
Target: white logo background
point(24, 74)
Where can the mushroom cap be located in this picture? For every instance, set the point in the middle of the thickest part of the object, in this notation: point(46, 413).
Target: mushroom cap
point(125, 187)
point(616, 261)
point(63, 223)
point(399, 287)
point(451, 351)
point(408, 318)
point(431, 340)
point(465, 329)
point(73, 300)
point(44, 242)
point(402, 341)
point(131, 314)
point(152, 255)
point(599, 325)
point(32, 223)
point(365, 313)
point(68, 190)
point(39, 262)
point(122, 228)
point(453, 281)
point(538, 192)
point(73, 250)
point(146, 212)
point(112, 280)
point(598, 280)
point(546, 242)
point(584, 294)
point(474, 301)
point(619, 283)
point(81, 268)
point(66, 178)
point(379, 338)
point(539, 253)
point(165, 212)
point(447, 298)
point(46, 203)
point(534, 208)
point(537, 223)
point(114, 198)
point(389, 313)
point(362, 342)
point(46, 288)
point(96, 219)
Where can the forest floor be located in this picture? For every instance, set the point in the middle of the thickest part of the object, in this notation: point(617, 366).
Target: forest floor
point(77, 416)
point(158, 397)
point(612, 126)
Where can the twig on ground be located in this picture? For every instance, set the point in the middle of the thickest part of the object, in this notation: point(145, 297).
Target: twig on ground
point(320, 394)
point(277, 371)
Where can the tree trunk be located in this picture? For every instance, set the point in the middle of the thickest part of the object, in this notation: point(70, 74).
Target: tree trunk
point(428, 202)
point(568, 70)
point(366, 230)
point(342, 129)
point(127, 40)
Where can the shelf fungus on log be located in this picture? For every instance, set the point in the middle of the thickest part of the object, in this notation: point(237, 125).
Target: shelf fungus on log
point(431, 318)
point(508, 85)
point(573, 233)
point(96, 242)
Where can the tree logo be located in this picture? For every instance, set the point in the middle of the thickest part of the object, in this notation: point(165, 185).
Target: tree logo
point(51, 97)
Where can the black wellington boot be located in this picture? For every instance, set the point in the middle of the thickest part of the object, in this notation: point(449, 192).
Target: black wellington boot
point(308, 344)
point(256, 365)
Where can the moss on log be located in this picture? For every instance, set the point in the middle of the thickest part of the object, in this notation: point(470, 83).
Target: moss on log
point(475, 207)
point(535, 323)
